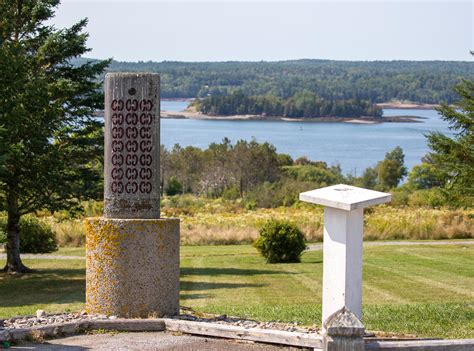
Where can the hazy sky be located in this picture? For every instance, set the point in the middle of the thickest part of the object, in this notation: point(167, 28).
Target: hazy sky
point(269, 30)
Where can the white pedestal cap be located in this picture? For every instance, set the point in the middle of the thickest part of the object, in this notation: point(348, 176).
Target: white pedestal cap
point(345, 197)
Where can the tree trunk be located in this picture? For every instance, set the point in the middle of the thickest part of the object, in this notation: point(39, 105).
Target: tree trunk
point(241, 186)
point(14, 264)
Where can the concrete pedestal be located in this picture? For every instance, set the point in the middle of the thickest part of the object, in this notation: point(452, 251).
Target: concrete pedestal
point(342, 268)
point(132, 267)
point(342, 247)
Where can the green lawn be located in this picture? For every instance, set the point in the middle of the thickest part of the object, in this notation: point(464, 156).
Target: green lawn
point(69, 251)
point(423, 290)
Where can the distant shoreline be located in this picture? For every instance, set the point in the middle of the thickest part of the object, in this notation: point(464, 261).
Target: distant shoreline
point(406, 106)
point(394, 105)
point(359, 120)
point(177, 99)
point(355, 120)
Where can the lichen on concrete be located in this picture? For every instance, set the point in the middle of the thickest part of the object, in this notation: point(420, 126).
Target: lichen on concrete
point(132, 267)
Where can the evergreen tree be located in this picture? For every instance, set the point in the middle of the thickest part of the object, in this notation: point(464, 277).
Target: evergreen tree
point(51, 147)
point(453, 156)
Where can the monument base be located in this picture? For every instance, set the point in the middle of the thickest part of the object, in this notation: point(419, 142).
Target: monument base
point(132, 267)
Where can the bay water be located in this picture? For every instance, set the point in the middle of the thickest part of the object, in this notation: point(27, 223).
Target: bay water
point(353, 146)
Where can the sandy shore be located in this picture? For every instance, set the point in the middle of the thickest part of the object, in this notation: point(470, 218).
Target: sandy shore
point(360, 120)
point(407, 106)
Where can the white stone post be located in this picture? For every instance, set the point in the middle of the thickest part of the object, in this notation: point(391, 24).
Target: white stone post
point(342, 247)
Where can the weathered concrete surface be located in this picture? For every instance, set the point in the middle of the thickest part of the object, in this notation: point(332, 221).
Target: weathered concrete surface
point(343, 332)
point(422, 345)
point(146, 341)
point(132, 145)
point(132, 267)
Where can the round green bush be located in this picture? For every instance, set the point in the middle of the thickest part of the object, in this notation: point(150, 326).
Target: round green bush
point(35, 236)
point(280, 242)
point(174, 187)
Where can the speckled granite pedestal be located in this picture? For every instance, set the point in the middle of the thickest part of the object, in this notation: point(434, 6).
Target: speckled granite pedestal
point(132, 267)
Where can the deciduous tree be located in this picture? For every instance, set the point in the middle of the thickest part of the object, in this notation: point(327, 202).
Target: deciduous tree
point(392, 169)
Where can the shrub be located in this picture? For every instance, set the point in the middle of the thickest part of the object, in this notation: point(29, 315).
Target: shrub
point(231, 193)
point(93, 208)
point(174, 187)
point(400, 196)
point(282, 193)
point(35, 236)
point(280, 241)
point(426, 198)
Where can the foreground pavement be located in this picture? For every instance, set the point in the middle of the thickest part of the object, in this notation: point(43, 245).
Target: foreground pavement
point(146, 342)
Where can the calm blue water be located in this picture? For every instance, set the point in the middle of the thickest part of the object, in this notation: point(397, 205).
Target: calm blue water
point(174, 105)
point(354, 146)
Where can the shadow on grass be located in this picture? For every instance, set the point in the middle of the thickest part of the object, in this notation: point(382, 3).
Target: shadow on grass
point(312, 260)
point(43, 287)
point(213, 271)
point(190, 286)
point(194, 296)
point(69, 272)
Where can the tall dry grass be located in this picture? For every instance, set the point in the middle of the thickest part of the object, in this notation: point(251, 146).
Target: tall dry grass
point(382, 223)
point(233, 228)
point(391, 223)
point(69, 233)
point(207, 222)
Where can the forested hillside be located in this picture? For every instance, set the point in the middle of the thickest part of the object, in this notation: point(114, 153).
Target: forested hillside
point(375, 81)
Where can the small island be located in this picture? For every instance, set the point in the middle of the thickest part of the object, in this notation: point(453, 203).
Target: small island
point(304, 106)
point(356, 120)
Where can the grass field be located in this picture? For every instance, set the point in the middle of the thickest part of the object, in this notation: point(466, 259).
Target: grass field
point(420, 290)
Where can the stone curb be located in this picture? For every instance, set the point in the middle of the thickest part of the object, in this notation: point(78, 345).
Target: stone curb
point(49, 331)
point(72, 328)
point(280, 337)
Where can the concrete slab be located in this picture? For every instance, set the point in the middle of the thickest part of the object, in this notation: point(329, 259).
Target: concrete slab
point(146, 342)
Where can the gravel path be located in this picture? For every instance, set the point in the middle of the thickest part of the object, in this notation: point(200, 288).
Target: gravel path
point(146, 341)
point(315, 247)
point(3, 256)
point(311, 247)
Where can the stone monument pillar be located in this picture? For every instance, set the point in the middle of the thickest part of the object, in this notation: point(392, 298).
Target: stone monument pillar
point(132, 267)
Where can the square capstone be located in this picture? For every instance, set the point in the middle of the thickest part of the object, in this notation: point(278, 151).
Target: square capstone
point(345, 197)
